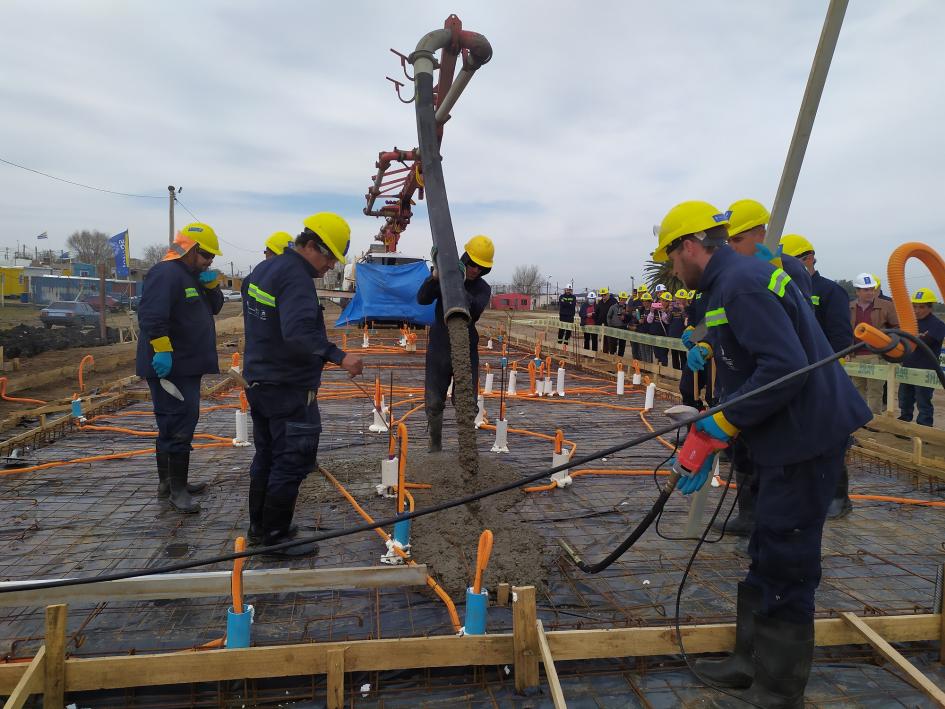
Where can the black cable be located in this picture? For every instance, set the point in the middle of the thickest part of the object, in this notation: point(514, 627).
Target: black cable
point(79, 184)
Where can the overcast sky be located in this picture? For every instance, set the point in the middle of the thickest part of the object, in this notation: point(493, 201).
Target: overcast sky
point(591, 121)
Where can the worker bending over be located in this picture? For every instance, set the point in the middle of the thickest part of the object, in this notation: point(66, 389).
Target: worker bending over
point(177, 346)
point(761, 328)
point(475, 263)
point(277, 242)
point(286, 348)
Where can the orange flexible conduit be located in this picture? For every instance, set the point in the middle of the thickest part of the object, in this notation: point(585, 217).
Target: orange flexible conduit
point(896, 272)
point(3, 395)
point(91, 360)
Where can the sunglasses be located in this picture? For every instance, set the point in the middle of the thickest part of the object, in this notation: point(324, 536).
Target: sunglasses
point(205, 254)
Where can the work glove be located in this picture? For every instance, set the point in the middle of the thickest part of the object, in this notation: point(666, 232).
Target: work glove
point(687, 337)
point(698, 356)
point(462, 268)
point(209, 279)
point(433, 251)
point(689, 484)
point(718, 427)
point(162, 363)
point(764, 253)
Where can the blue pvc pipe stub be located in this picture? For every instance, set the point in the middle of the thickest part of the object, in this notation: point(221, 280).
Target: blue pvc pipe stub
point(238, 627)
point(476, 605)
point(402, 532)
point(77, 408)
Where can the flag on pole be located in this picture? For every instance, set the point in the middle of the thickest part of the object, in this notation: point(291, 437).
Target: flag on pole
point(44, 235)
point(119, 244)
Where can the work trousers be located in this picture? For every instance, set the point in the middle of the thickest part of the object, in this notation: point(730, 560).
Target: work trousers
point(590, 341)
point(910, 396)
point(870, 389)
point(679, 359)
point(791, 504)
point(176, 419)
point(439, 372)
point(564, 336)
point(286, 429)
point(662, 355)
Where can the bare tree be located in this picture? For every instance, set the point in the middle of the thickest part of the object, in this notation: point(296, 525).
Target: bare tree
point(90, 247)
point(153, 254)
point(526, 279)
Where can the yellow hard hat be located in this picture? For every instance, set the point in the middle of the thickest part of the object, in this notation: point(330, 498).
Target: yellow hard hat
point(481, 250)
point(924, 295)
point(746, 214)
point(204, 236)
point(684, 219)
point(692, 294)
point(643, 288)
point(879, 281)
point(333, 231)
point(682, 294)
point(646, 296)
point(603, 291)
point(667, 296)
point(622, 295)
point(277, 242)
point(796, 245)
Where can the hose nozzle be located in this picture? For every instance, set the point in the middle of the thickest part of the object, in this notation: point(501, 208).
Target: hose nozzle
point(890, 347)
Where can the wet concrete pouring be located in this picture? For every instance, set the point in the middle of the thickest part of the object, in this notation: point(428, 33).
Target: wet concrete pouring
point(91, 520)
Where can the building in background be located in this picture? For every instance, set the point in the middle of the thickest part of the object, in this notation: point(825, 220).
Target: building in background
point(511, 301)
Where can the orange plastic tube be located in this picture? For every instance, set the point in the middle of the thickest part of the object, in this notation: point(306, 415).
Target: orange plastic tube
point(896, 272)
point(879, 339)
point(91, 360)
point(482, 558)
point(236, 578)
point(3, 395)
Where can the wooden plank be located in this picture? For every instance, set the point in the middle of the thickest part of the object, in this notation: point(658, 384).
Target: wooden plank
point(557, 696)
point(336, 678)
point(916, 678)
point(441, 651)
point(502, 594)
point(217, 583)
point(55, 663)
point(30, 683)
point(525, 638)
point(888, 424)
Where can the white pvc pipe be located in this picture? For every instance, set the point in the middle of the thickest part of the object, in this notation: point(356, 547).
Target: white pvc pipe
point(650, 397)
point(501, 437)
point(512, 378)
point(490, 379)
point(560, 381)
point(621, 376)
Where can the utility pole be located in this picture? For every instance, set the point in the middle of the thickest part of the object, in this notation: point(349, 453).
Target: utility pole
point(101, 304)
point(170, 231)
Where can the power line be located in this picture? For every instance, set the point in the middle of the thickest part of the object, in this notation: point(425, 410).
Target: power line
point(196, 218)
point(79, 184)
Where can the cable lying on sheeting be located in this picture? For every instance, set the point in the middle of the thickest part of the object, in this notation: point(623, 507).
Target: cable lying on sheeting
point(473, 497)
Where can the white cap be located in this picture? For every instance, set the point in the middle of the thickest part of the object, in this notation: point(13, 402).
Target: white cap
point(592, 295)
point(569, 286)
point(865, 280)
point(659, 288)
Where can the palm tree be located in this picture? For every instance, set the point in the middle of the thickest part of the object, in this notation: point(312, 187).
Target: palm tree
point(655, 273)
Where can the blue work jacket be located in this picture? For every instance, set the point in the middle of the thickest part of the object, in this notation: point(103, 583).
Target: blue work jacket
point(286, 340)
point(761, 327)
point(832, 308)
point(175, 305)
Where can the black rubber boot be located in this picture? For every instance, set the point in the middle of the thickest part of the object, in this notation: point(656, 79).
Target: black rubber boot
point(178, 466)
point(736, 670)
point(435, 426)
point(840, 505)
point(164, 486)
point(257, 500)
point(278, 528)
point(783, 655)
point(744, 522)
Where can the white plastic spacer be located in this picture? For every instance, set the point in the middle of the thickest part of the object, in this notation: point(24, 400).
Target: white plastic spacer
point(501, 437)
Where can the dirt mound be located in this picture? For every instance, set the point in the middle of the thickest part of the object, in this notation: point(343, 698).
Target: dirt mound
point(26, 341)
point(446, 541)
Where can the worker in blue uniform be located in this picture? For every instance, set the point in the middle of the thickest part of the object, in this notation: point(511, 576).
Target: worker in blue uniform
point(176, 347)
point(748, 222)
point(762, 328)
point(931, 331)
point(286, 349)
point(832, 308)
point(476, 262)
point(567, 304)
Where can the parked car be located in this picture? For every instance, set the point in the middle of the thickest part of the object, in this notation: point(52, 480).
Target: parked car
point(68, 313)
point(110, 303)
point(133, 301)
point(231, 295)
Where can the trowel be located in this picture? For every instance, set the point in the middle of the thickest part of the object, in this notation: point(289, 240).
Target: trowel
point(171, 389)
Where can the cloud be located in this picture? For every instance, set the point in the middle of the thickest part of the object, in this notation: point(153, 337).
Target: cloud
point(589, 123)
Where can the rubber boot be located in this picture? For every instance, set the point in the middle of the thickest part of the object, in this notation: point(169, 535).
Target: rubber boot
point(178, 466)
point(435, 426)
point(164, 487)
point(744, 522)
point(736, 670)
point(257, 500)
point(783, 655)
point(840, 505)
point(277, 527)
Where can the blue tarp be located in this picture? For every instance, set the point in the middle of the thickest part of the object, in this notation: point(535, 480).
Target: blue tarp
point(388, 293)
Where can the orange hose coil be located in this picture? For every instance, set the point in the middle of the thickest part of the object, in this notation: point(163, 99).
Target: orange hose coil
point(91, 360)
point(896, 273)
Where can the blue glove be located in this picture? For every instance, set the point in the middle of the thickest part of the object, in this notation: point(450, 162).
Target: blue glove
point(687, 338)
point(764, 253)
point(711, 427)
point(210, 276)
point(697, 357)
point(162, 363)
point(693, 483)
